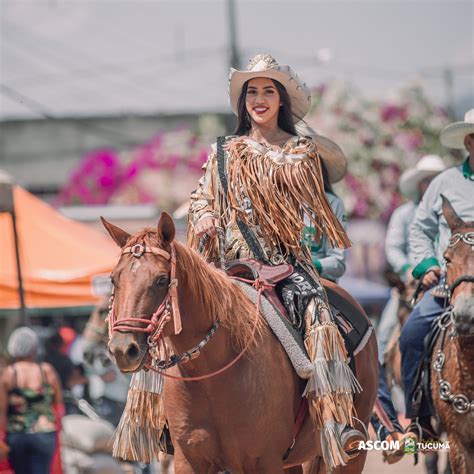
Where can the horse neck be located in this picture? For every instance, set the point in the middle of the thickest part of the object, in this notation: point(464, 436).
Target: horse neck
point(464, 346)
point(197, 318)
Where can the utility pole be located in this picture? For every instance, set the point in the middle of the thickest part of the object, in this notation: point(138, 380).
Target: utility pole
point(449, 90)
point(234, 58)
point(7, 205)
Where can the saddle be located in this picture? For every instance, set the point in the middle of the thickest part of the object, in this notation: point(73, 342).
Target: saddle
point(349, 316)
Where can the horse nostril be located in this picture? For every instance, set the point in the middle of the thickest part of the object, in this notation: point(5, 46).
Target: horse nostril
point(133, 351)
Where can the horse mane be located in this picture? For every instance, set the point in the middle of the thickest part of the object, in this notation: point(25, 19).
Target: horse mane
point(213, 290)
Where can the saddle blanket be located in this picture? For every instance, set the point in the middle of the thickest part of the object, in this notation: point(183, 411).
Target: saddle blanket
point(352, 322)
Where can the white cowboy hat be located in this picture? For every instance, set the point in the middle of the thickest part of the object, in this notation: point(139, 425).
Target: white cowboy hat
point(331, 154)
point(264, 65)
point(429, 165)
point(453, 134)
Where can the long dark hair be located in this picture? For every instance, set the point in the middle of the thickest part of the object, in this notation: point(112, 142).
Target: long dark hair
point(285, 118)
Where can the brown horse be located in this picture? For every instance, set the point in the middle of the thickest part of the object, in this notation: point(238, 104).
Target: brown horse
point(452, 372)
point(241, 420)
point(392, 357)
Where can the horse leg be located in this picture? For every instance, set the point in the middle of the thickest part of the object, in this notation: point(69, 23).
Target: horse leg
point(165, 464)
point(456, 461)
point(294, 470)
point(314, 466)
point(181, 464)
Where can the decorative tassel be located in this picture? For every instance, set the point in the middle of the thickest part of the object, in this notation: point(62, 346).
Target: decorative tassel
point(331, 387)
point(137, 437)
point(332, 373)
point(332, 450)
point(281, 192)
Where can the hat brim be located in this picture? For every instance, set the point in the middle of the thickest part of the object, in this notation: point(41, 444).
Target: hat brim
point(410, 179)
point(300, 95)
point(333, 157)
point(453, 135)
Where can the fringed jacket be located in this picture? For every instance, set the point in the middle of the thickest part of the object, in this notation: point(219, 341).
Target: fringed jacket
point(273, 193)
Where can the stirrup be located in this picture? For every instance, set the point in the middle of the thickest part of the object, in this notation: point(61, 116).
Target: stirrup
point(350, 441)
point(422, 433)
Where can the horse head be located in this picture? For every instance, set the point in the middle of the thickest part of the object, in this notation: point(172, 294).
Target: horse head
point(142, 292)
point(459, 257)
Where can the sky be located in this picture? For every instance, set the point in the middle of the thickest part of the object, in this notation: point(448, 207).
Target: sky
point(104, 57)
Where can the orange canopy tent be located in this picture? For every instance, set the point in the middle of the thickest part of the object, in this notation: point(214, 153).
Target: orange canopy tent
point(63, 263)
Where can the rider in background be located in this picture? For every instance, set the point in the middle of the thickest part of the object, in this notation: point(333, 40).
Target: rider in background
point(429, 237)
point(413, 184)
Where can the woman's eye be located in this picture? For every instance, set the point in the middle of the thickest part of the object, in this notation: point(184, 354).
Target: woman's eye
point(113, 281)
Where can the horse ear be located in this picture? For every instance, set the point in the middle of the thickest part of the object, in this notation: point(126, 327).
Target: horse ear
point(450, 215)
point(166, 229)
point(120, 236)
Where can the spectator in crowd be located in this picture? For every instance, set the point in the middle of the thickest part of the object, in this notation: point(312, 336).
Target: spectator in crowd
point(70, 375)
point(31, 406)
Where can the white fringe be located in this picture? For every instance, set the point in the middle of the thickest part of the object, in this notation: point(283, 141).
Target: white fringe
point(147, 381)
point(331, 447)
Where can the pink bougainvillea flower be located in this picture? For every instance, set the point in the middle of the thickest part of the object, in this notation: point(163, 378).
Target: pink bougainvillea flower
point(409, 140)
point(391, 112)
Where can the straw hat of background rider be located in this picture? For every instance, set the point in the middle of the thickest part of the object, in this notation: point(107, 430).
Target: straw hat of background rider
point(454, 134)
point(426, 169)
point(264, 65)
point(23, 343)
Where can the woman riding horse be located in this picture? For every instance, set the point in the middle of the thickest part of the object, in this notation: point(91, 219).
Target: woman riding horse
point(259, 186)
point(213, 368)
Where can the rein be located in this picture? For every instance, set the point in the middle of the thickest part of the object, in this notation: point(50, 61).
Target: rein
point(458, 281)
point(259, 285)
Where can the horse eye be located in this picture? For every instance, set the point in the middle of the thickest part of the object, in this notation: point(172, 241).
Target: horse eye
point(162, 281)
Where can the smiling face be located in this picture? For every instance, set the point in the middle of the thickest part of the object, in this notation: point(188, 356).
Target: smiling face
point(262, 101)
